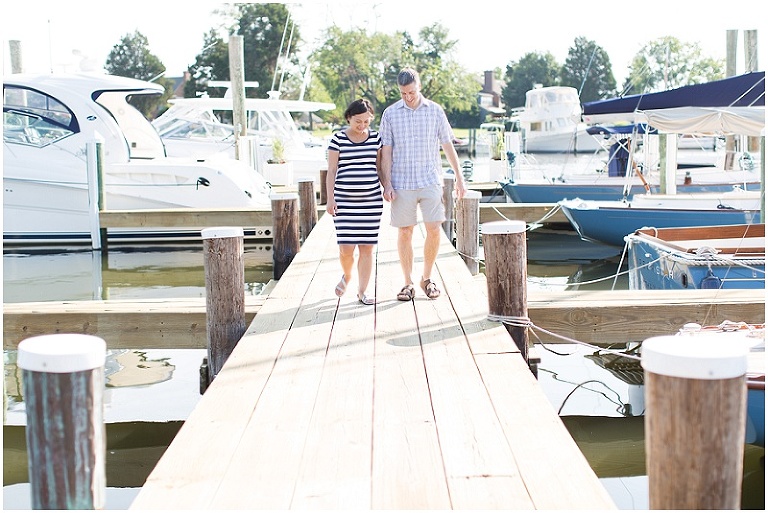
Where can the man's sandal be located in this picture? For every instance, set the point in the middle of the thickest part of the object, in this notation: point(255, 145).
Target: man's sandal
point(406, 293)
point(341, 288)
point(430, 289)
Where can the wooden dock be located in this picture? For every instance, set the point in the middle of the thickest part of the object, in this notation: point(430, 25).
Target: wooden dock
point(331, 404)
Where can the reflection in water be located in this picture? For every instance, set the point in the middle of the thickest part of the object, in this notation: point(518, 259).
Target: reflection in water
point(126, 368)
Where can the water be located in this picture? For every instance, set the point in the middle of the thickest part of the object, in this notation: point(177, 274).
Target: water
point(151, 391)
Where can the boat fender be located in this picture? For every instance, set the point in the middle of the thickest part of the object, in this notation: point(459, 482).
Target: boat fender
point(710, 281)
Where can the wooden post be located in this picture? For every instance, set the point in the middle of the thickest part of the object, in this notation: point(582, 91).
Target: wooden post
point(323, 187)
point(695, 420)
point(285, 231)
point(224, 293)
point(467, 230)
point(307, 206)
point(63, 380)
point(237, 87)
point(506, 271)
point(448, 183)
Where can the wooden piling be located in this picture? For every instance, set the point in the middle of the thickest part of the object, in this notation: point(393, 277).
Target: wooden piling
point(63, 380)
point(285, 226)
point(224, 293)
point(506, 274)
point(695, 421)
point(448, 183)
point(323, 186)
point(307, 207)
point(467, 230)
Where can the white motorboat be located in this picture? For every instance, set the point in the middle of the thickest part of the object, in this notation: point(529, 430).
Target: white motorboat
point(551, 122)
point(193, 127)
point(50, 121)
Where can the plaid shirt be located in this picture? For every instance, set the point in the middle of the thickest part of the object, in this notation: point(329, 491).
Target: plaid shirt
point(415, 137)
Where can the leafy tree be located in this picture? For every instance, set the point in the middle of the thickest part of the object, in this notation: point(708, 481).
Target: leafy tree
point(263, 27)
point(666, 63)
point(210, 64)
point(588, 69)
point(521, 76)
point(353, 64)
point(131, 58)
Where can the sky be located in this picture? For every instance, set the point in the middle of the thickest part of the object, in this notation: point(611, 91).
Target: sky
point(72, 35)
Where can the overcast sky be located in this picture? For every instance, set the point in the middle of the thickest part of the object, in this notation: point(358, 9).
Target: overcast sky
point(61, 35)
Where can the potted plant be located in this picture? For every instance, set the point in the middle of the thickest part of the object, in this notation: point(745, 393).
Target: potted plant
point(277, 170)
point(497, 166)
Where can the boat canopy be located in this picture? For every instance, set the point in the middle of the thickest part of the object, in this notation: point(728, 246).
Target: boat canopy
point(734, 105)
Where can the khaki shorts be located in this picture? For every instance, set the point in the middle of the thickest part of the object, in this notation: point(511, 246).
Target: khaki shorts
point(428, 199)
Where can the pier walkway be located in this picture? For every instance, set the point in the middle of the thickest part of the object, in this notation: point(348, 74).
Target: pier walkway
point(331, 404)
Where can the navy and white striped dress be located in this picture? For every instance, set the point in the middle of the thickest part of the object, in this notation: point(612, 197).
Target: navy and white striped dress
point(357, 190)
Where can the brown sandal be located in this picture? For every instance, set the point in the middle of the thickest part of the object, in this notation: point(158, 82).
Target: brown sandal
point(430, 289)
point(406, 293)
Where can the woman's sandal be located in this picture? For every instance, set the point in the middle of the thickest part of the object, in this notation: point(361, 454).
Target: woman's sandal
point(365, 299)
point(406, 293)
point(430, 289)
point(341, 288)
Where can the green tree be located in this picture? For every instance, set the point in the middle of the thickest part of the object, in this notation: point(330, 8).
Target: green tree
point(588, 69)
point(267, 34)
point(521, 76)
point(131, 58)
point(353, 64)
point(666, 63)
point(210, 64)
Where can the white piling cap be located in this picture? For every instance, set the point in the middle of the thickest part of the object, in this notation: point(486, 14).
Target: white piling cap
point(502, 227)
point(62, 353)
point(222, 232)
point(700, 356)
point(473, 195)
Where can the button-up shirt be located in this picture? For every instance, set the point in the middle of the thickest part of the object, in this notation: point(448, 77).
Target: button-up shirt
point(415, 136)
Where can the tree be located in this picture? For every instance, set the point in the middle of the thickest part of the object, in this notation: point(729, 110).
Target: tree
point(588, 69)
point(521, 76)
point(131, 58)
point(666, 63)
point(353, 64)
point(210, 64)
point(267, 34)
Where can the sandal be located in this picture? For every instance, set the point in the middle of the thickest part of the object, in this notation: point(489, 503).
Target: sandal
point(365, 299)
point(341, 288)
point(430, 289)
point(406, 293)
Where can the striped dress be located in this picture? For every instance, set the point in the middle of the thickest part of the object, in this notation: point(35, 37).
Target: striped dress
point(357, 190)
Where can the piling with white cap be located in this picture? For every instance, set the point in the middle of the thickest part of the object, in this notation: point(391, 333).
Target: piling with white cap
point(695, 420)
point(224, 294)
point(63, 380)
point(506, 271)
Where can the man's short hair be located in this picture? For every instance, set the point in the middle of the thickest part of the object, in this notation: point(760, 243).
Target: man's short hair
point(407, 76)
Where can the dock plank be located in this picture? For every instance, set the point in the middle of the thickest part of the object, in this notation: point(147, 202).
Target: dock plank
point(339, 405)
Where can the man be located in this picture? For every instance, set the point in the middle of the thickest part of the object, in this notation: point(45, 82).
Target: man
point(412, 132)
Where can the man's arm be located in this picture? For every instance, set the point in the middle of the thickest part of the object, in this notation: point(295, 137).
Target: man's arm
point(453, 160)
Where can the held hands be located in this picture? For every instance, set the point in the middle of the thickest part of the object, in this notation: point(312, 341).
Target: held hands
point(389, 193)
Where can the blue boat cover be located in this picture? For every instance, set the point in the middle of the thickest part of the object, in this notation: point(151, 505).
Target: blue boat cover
point(747, 90)
point(640, 128)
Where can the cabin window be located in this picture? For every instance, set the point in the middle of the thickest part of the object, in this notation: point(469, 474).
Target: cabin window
point(33, 118)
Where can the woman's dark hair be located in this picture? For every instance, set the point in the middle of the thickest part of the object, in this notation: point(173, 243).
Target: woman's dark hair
point(360, 106)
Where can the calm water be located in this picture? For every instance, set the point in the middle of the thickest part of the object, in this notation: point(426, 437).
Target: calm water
point(149, 392)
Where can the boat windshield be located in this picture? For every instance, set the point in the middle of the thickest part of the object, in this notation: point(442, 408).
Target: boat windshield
point(33, 118)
